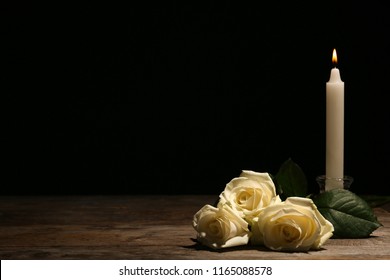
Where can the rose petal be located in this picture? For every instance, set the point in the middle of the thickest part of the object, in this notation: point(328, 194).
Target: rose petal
point(292, 225)
point(220, 227)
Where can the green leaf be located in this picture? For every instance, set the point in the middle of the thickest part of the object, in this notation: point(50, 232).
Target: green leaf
point(350, 215)
point(291, 181)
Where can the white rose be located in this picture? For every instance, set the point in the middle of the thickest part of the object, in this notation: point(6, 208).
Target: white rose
point(292, 225)
point(220, 227)
point(249, 194)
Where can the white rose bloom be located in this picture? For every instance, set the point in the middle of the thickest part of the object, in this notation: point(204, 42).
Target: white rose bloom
point(220, 227)
point(249, 194)
point(292, 225)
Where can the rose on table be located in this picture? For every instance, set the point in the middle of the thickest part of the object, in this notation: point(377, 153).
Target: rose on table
point(250, 211)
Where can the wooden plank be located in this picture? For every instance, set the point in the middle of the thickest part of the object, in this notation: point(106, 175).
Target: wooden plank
point(140, 227)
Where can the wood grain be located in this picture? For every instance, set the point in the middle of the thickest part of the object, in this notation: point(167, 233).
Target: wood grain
point(140, 227)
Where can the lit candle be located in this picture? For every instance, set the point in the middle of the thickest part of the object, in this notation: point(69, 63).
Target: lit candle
point(334, 128)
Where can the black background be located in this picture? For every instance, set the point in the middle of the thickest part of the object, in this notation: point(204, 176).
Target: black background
point(178, 98)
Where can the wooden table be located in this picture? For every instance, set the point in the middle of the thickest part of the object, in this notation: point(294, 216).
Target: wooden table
point(140, 227)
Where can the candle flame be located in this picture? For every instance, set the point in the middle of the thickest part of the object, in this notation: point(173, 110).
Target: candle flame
point(334, 57)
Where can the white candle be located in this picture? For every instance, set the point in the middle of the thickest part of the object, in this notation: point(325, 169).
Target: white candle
point(334, 128)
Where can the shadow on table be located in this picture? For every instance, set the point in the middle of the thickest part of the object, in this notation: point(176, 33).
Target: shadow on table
point(199, 247)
